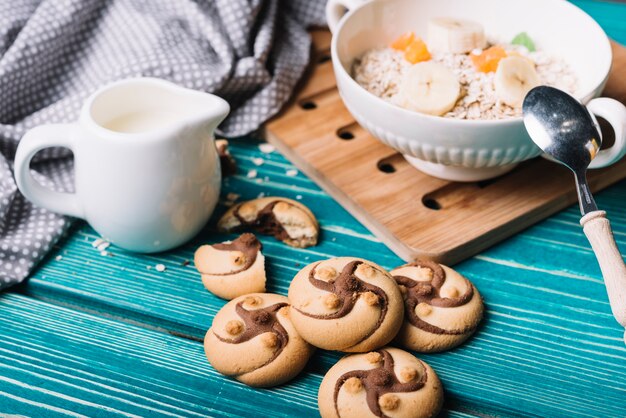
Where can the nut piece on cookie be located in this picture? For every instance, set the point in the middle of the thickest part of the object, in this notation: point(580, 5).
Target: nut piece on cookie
point(232, 269)
point(285, 219)
point(346, 304)
point(398, 385)
point(253, 340)
point(442, 308)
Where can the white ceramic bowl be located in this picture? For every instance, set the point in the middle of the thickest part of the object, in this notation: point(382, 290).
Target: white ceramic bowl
point(469, 150)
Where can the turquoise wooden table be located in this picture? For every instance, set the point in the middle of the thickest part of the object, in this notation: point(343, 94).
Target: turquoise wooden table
point(109, 335)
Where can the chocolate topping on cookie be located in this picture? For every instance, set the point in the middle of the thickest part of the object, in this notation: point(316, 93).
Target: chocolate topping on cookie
point(423, 294)
point(348, 288)
point(380, 384)
point(265, 222)
point(247, 245)
point(260, 321)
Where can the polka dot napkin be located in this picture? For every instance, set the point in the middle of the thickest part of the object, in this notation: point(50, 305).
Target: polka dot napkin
point(54, 53)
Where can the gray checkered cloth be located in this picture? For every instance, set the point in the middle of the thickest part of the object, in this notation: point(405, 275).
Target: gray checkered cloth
point(54, 53)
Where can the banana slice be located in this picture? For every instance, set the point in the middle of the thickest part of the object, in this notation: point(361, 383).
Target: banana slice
point(429, 88)
point(514, 78)
point(457, 36)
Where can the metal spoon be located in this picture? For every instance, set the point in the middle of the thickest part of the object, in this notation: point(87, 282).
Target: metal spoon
point(565, 130)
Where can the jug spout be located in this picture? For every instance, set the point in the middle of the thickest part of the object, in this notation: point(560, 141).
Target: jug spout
point(144, 105)
point(210, 110)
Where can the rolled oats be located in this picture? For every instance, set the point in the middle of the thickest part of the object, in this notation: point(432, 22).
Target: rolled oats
point(380, 72)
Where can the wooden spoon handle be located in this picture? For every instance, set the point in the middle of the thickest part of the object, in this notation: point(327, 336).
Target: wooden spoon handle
point(598, 231)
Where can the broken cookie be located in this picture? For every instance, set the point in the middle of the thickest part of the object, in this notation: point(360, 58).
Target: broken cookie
point(285, 219)
point(232, 269)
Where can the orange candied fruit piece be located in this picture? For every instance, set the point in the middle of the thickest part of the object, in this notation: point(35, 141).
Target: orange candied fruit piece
point(488, 60)
point(403, 41)
point(417, 51)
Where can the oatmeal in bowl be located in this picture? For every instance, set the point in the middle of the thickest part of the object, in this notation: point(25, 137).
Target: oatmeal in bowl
point(450, 100)
point(458, 73)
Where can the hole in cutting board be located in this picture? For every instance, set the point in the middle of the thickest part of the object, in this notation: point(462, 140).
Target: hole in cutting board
point(386, 167)
point(388, 164)
point(349, 132)
point(345, 134)
point(453, 194)
point(308, 105)
point(324, 57)
point(431, 203)
point(318, 99)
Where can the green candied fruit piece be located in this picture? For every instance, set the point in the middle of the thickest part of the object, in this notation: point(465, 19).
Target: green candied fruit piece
point(523, 39)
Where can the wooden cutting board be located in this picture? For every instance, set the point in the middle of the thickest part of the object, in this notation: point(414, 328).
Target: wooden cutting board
point(416, 215)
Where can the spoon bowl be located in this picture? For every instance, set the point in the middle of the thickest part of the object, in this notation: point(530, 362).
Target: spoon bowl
point(562, 127)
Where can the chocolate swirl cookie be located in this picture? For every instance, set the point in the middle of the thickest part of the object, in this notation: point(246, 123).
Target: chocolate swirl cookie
point(252, 339)
point(346, 304)
point(232, 269)
point(285, 219)
point(442, 308)
point(383, 383)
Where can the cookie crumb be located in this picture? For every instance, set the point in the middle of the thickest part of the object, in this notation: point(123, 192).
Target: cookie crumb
point(159, 267)
point(373, 357)
point(291, 172)
point(270, 340)
point(234, 327)
point(260, 195)
point(185, 263)
point(389, 401)
point(266, 148)
point(104, 253)
point(327, 273)
point(252, 300)
point(332, 301)
point(368, 271)
point(424, 273)
point(232, 196)
point(408, 373)
point(103, 246)
point(58, 258)
point(251, 174)
point(449, 292)
point(299, 197)
point(258, 161)
point(353, 385)
point(423, 309)
point(403, 290)
point(370, 298)
point(97, 242)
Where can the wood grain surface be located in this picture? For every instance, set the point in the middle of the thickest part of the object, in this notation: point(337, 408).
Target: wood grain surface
point(99, 336)
point(548, 336)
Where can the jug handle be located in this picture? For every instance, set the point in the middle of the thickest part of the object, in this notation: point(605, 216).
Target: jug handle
point(36, 139)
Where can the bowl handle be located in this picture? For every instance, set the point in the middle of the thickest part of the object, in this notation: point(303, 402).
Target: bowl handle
point(615, 113)
point(335, 9)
